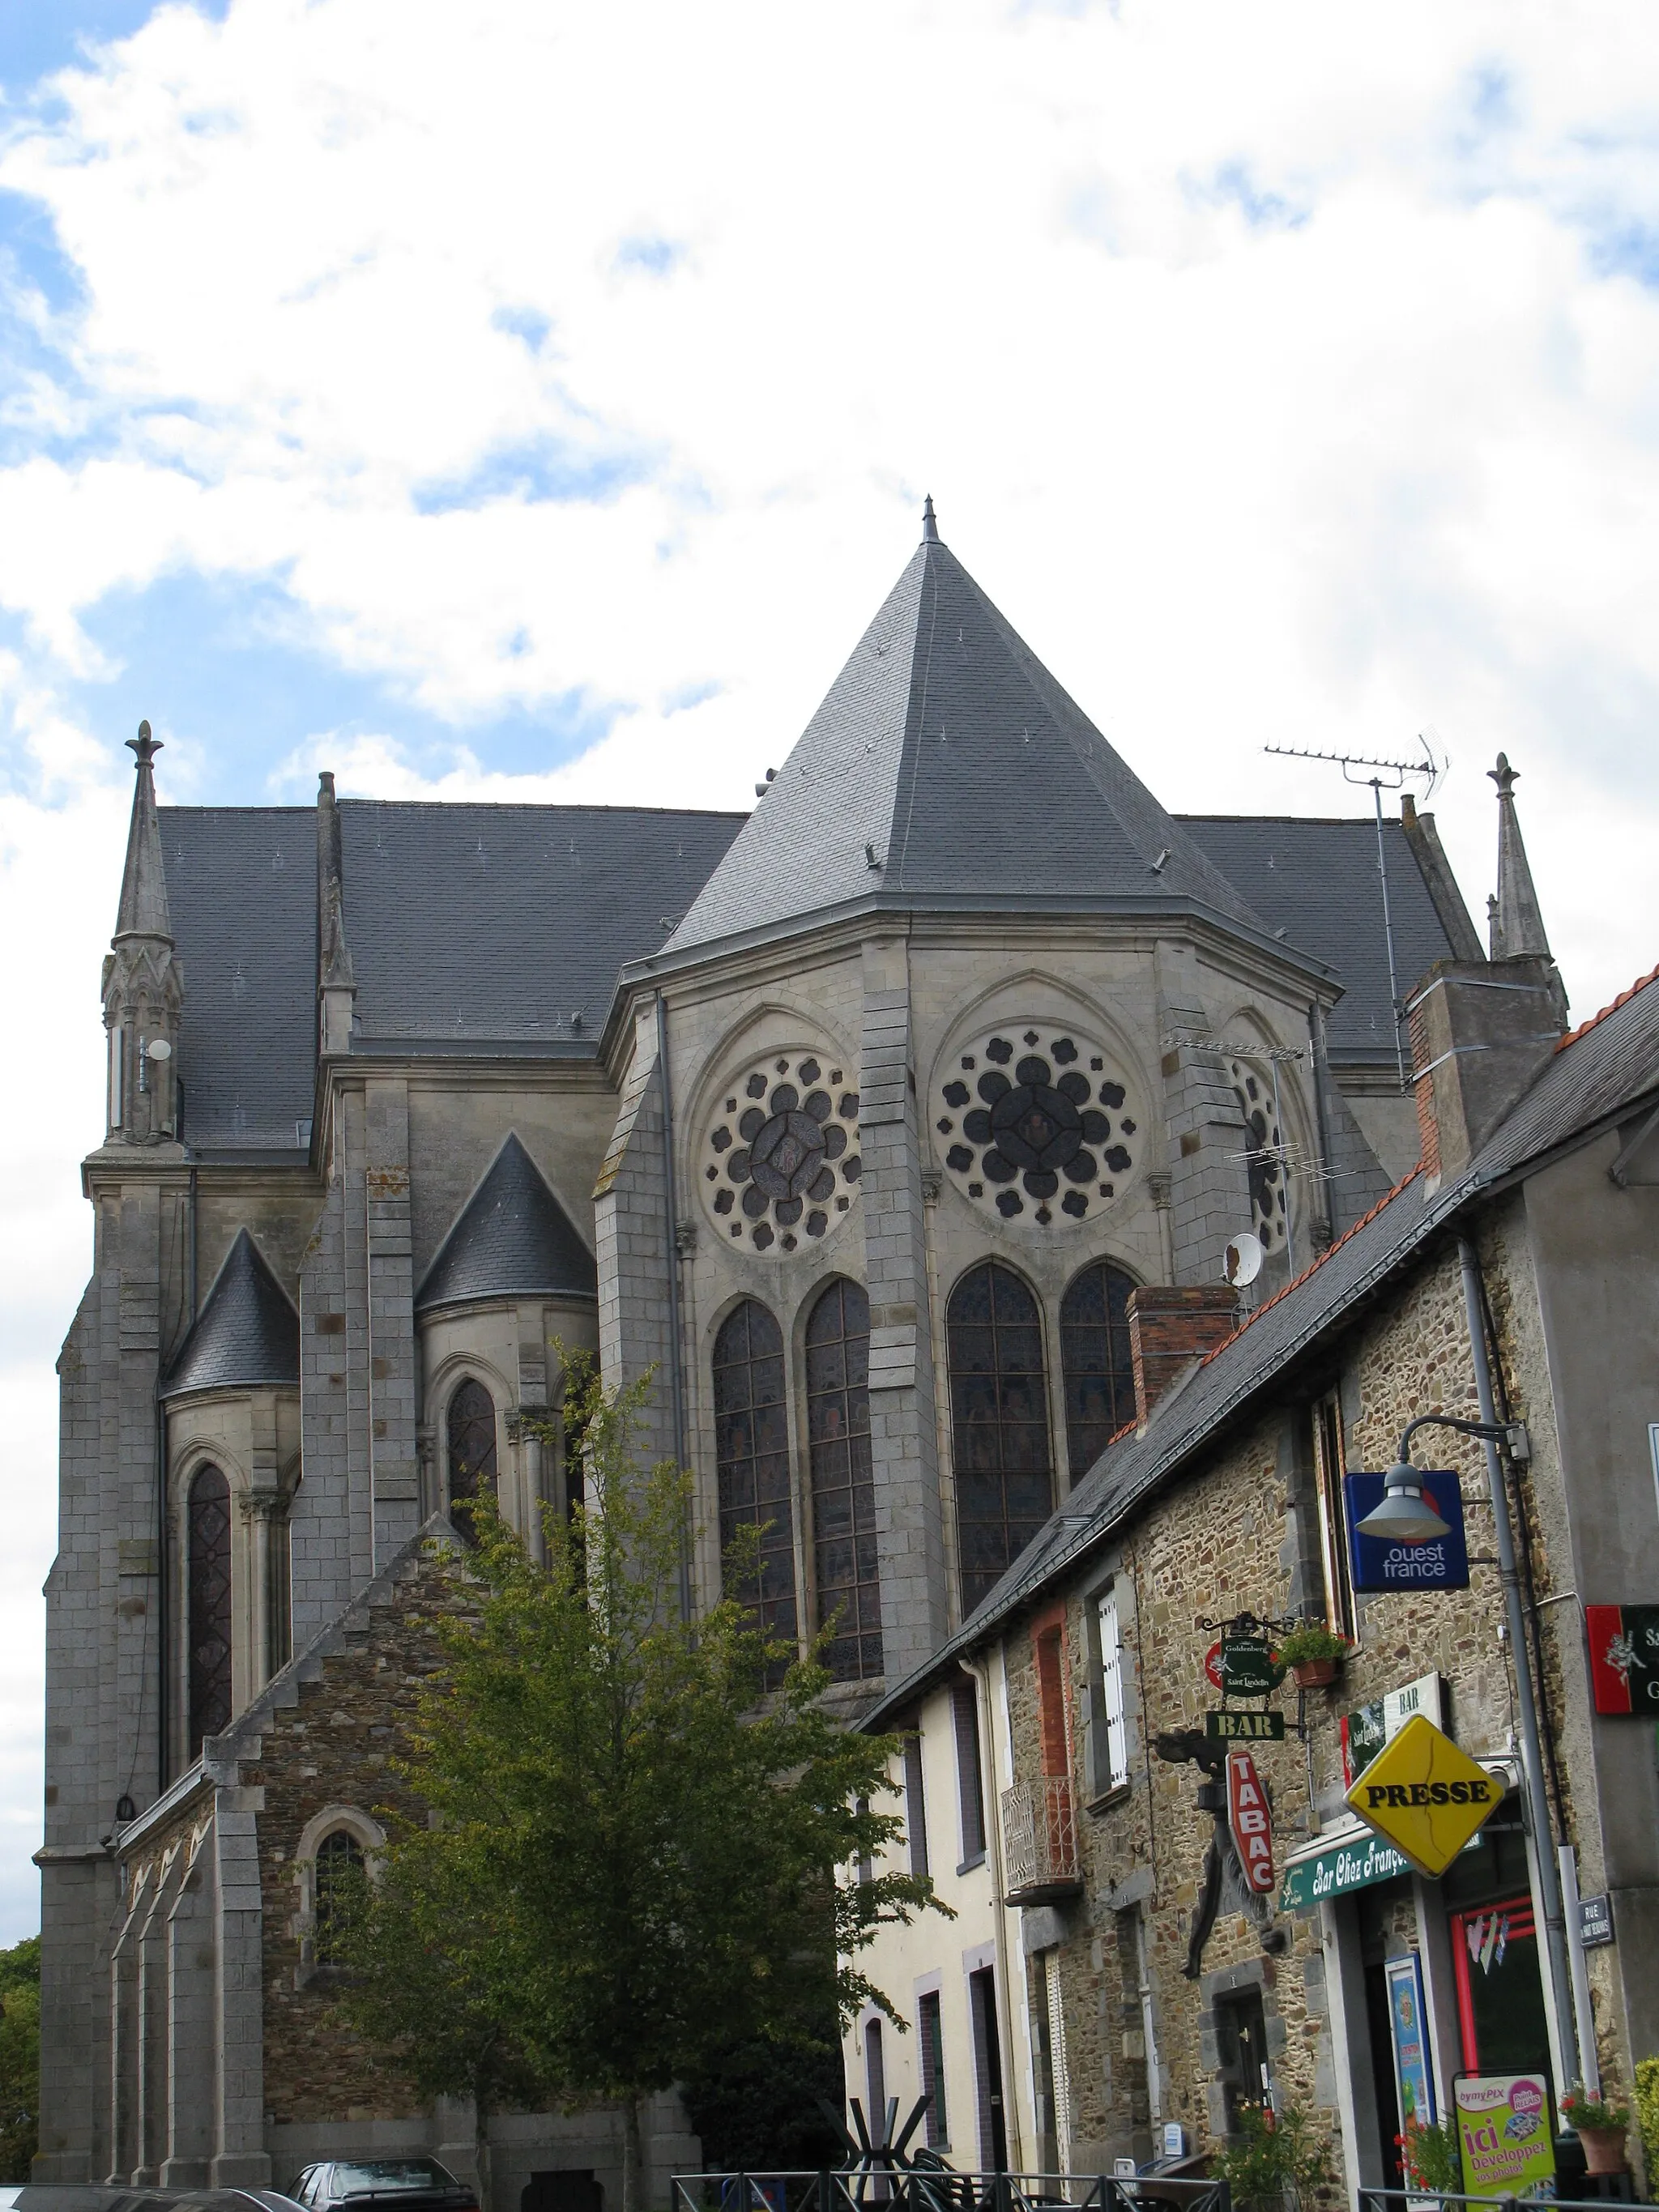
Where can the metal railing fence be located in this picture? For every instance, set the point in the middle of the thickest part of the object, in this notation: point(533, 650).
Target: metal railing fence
point(939, 2189)
point(1426, 2200)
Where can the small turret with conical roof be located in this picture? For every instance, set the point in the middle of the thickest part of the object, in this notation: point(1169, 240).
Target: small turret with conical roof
point(144, 984)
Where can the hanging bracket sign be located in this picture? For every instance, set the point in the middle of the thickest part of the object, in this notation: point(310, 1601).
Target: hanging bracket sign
point(1243, 1726)
point(1251, 1824)
point(1624, 1649)
point(1244, 1666)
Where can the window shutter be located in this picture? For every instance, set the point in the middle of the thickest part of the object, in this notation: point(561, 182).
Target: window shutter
point(965, 1710)
point(915, 1806)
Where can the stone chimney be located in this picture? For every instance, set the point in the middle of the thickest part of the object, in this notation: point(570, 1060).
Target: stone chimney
point(1482, 1029)
point(1171, 1325)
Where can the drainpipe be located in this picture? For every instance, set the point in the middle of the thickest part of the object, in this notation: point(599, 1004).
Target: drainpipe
point(1532, 1760)
point(1010, 2122)
point(671, 1257)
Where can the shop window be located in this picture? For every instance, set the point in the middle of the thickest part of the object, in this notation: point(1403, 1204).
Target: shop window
point(844, 1572)
point(1328, 1456)
point(970, 1788)
point(1094, 1356)
point(930, 2049)
point(915, 1806)
point(1240, 2032)
point(207, 1601)
point(1000, 1425)
point(751, 1454)
point(471, 1451)
point(337, 1881)
point(1500, 1989)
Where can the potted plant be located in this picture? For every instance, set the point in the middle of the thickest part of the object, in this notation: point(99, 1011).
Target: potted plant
point(1431, 2160)
point(1273, 2161)
point(1313, 1653)
point(1601, 2128)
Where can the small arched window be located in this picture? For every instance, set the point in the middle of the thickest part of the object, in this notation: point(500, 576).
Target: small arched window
point(751, 1456)
point(471, 1449)
point(843, 1485)
point(336, 1885)
point(998, 1425)
point(1094, 1358)
point(207, 1605)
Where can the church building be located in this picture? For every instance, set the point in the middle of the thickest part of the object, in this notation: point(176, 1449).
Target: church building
point(859, 1119)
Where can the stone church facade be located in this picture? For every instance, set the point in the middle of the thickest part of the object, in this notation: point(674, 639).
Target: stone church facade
point(858, 1120)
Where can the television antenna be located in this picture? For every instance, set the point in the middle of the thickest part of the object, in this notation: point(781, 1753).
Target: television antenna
point(1274, 1055)
point(1385, 775)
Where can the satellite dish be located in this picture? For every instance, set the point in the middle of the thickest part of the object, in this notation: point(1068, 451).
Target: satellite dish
point(1243, 1261)
point(158, 1049)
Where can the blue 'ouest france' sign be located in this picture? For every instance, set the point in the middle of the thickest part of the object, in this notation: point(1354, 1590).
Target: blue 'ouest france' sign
point(1380, 1564)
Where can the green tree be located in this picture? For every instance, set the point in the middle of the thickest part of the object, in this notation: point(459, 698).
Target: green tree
point(19, 2058)
point(631, 1864)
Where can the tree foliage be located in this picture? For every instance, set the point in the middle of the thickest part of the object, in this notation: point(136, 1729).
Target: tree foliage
point(19, 2058)
point(630, 1868)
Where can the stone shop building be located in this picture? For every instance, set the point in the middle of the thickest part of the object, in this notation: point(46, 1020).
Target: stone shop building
point(1111, 1974)
point(836, 1115)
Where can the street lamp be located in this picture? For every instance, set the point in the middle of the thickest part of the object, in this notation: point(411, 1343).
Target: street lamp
point(1405, 1516)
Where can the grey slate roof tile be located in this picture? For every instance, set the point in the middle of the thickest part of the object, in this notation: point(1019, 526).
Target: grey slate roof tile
point(247, 1333)
point(947, 747)
point(1316, 879)
point(511, 1239)
point(467, 925)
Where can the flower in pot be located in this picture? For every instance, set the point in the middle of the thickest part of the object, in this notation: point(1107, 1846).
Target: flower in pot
point(1601, 2128)
point(1275, 2162)
point(1430, 2159)
point(1313, 1653)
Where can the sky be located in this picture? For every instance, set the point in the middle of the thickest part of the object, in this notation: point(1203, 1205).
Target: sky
point(536, 401)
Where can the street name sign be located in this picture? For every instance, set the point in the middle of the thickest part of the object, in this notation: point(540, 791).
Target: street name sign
point(1425, 1796)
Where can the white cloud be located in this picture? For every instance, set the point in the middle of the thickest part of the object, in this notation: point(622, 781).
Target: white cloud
point(1287, 375)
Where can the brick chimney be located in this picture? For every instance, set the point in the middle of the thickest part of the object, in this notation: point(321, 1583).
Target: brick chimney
point(1170, 1327)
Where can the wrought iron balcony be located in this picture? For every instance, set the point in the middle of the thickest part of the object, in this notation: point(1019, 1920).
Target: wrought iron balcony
point(1039, 1842)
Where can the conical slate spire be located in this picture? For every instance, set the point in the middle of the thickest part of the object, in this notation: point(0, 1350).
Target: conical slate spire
point(511, 1239)
point(947, 766)
point(247, 1333)
point(1518, 929)
point(144, 908)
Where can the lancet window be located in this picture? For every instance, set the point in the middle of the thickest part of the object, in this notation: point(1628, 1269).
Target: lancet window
point(751, 1453)
point(337, 1881)
point(848, 1584)
point(471, 1449)
point(207, 1605)
point(999, 1424)
point(1094, 1353)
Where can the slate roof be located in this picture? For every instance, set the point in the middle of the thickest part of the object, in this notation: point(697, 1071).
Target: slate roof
point(1316, 879)
point(511, 1239)
point(947, 748)
point(1605, 1069)
point(246, 1335)
point(470, 927)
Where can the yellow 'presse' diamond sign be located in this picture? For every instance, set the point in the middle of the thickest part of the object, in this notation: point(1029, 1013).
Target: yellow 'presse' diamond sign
point(1426, 1796)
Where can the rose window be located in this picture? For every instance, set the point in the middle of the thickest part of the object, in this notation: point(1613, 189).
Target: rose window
point(781, 1162)
point(1265, 1162)
point(1037, 1122)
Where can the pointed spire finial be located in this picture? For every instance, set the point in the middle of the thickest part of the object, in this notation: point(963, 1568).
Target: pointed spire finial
point(1518, 931)
point(144, 908)
point(929, 525)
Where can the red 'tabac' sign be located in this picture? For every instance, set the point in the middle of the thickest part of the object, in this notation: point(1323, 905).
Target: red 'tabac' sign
point(1247, 1818)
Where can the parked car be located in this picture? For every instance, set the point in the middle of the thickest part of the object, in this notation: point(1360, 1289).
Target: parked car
point(99, 2196)
point(401, 2184)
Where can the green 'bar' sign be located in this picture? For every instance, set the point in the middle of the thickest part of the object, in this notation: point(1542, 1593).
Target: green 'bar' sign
point(1262, 1727)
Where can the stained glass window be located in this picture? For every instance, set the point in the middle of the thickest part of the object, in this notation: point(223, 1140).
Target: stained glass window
point(337, 1881)
point(207, 1606)
point(999, 1424)
point(1094, 1355)
point(843, 1486)
point(751, 1454)
point(471, 1449)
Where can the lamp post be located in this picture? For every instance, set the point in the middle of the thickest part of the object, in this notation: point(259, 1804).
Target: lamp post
point(1406, 1517)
